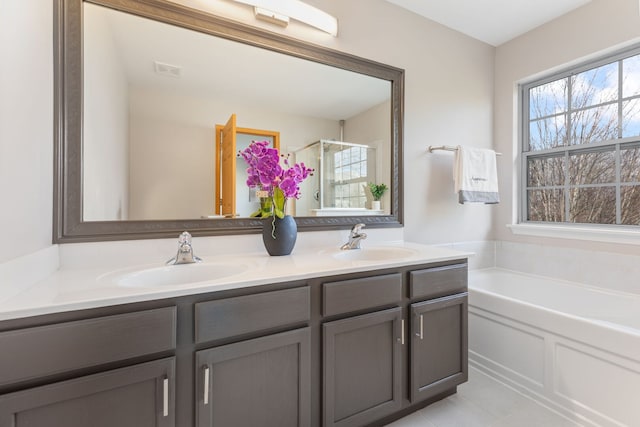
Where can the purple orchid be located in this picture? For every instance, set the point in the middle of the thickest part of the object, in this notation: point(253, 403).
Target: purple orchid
point(264, 172)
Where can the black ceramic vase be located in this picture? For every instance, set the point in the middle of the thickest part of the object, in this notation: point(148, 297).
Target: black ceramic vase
point(282, 239)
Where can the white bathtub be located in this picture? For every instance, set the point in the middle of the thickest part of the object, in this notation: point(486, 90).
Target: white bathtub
point(573, 348)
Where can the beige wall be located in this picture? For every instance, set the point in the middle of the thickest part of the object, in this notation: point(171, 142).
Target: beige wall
point(172, 169)
point(598, 27)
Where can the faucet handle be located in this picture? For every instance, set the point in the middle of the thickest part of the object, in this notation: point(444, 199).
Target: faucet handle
point(185, 238)
point(357, 228)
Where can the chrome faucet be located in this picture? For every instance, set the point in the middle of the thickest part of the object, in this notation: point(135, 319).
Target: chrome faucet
point(355, 236)
point(185, 251)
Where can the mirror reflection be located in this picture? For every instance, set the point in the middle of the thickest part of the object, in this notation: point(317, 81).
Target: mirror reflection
point(156, 100)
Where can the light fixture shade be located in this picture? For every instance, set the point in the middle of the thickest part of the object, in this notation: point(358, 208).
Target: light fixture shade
point(299, 11)
point(271, 16)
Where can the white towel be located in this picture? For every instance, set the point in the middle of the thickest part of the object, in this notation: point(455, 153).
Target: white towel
point(475, 175)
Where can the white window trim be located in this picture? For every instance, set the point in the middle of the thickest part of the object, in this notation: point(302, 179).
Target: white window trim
point(589, 232)
point(578, 232)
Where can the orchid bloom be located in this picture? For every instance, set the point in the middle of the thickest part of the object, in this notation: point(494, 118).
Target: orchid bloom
point(264, 171)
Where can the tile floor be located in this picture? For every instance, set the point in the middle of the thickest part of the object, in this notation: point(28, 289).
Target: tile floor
point(484, 402)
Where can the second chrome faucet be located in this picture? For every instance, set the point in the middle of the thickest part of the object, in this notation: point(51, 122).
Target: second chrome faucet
point(355, 236)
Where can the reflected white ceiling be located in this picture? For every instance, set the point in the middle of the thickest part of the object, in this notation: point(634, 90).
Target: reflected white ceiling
point(491, 21)
point(216, 68)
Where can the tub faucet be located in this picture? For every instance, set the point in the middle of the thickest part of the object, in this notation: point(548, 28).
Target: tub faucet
point(185, 251)
point(355, 236)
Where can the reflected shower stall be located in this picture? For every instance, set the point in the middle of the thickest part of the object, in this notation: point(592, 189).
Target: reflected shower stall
point(339, 183)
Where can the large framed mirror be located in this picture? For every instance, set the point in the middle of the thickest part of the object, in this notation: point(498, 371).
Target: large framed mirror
point(142, 86)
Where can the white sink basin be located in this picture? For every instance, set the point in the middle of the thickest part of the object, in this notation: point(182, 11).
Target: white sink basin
point(181, 274)
point(388, 253)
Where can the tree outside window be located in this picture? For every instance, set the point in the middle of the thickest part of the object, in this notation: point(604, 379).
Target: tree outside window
point(581, 144)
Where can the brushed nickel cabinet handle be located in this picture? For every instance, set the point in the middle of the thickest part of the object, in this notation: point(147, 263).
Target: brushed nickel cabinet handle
point(421, 326)
point(402, 332)
point(206, 385)
point(165, 397)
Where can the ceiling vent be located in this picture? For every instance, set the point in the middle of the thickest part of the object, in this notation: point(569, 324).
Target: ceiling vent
point(167, 70)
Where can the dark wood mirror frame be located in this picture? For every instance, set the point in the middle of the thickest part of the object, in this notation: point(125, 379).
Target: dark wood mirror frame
point(68, 102)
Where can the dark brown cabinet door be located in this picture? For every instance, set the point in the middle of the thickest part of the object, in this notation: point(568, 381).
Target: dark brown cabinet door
point(362, 368)
point(438, 345)
point(137, 396)
point(260, 382)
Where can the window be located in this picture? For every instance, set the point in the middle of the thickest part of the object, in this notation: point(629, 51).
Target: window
point(350, 174)
point(581, 144)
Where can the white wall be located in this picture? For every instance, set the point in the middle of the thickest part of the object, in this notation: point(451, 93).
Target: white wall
point(105, 126)
point(26, 127)
point(600, 26)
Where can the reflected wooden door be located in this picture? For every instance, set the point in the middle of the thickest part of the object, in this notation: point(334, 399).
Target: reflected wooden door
point(227, 188)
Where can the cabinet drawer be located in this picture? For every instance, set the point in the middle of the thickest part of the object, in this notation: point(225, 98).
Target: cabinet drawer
point(358, 294)
point(46, 350)
point(136, 396)
point(252, 313)
point(438, 281)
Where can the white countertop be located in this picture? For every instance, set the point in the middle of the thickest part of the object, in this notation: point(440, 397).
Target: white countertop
point(76, 288)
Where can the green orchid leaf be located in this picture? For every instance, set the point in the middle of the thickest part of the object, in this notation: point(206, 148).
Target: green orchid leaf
point(278, 201)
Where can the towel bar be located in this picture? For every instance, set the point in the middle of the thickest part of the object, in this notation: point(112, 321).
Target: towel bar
point(433, 148)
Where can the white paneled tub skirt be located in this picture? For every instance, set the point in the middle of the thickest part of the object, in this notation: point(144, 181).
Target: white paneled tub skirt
point(573, 348)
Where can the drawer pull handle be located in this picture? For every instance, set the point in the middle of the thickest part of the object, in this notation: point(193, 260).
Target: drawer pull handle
point(206, 385)
point(421, 326)
point(402, 331)
point(165, 397)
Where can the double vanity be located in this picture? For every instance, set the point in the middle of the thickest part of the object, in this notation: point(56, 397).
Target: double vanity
point(321, 337)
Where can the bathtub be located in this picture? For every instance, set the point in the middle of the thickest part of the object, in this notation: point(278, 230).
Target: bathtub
point(572, 348)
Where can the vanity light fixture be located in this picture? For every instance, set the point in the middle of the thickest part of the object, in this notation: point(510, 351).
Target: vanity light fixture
point(279, 12)
point(269, 16)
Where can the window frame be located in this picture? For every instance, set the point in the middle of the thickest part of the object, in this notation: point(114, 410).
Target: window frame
point(347, 182)
point(524, 154)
